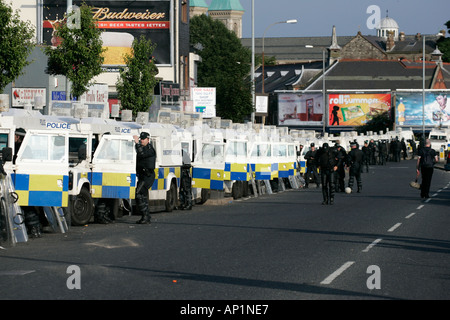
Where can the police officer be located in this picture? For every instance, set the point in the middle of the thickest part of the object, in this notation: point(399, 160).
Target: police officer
point(311, 166)
point(355, 158)
point(383, 152)
point(186, 183)
point(366, 153)
point(145, 170)
point(340, 178)
point(328, 161)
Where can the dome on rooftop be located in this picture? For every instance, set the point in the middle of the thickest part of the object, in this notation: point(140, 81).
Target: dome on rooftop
point(388, 23)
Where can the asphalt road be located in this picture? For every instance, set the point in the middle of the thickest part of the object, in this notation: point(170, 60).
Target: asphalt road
point(384, 243)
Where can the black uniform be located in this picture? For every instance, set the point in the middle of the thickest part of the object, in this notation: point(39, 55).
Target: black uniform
point(186, 183)
point(355, 158)
point(383, 152)
point(328, 161)
point(145, 170)
point(425, 163)
point(311, 167)
point(366, 158)
point(340, 179)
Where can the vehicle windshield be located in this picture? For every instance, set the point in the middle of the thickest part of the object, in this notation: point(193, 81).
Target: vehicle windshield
point(437, 137)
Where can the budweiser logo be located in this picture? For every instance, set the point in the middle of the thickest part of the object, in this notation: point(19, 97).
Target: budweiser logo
point(106, 14)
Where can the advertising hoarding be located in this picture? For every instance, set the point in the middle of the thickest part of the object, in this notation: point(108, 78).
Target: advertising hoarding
point(204, 101)
point(24, 96)
point(356, 109)
point(121, 23)
point(410, 110)
point(300, 109)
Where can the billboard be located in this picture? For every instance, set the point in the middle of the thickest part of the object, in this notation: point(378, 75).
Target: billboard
point(121, 23)
point(300, 109)
point(410, 110)
point(356, 109)
point(204, 101)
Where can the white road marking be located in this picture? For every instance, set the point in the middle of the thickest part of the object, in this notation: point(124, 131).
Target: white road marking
point(16, 272)
point(370, 246)
point(410, 215)
point(420, 207)
point(394, 227)
point(336, 274)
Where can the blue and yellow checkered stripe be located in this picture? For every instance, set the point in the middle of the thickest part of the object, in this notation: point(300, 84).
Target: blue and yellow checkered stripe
point(206, 178)
point(113, 185)
point(40, 190)
point(286, 169)
point(262, 171)
point(302, 166)
point(236, 171)
point(161, 174)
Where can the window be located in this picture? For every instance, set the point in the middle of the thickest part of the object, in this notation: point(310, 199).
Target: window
point(42, 147)
point(116, 150)
point(237, 148)
point(212, 153)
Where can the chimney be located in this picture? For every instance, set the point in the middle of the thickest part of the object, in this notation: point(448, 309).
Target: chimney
point(402, 36)
point(390, 44)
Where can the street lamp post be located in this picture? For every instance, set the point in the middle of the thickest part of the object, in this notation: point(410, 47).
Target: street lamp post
point(423, 89)
point(324, 117)
point(264, 35)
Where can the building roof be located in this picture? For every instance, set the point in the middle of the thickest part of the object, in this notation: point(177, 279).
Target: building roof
point(376, 74)
point(198, 3)
point(294, 49)
point(225, 5)
point(285, 76)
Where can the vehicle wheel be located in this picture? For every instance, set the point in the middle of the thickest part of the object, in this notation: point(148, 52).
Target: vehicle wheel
point(236, 190)
point(81, 208)
point(171, 197)
point(205, 195)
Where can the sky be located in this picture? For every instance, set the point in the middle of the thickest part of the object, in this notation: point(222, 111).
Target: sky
point(317, 17)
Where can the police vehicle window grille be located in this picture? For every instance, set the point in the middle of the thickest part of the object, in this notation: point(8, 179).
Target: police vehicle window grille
point(126, 152)
point(110, 150)
point(212, 153)
point(3, 142)
point(237, 148)
point(36, 149)
point(57, 148)
point(291, 151)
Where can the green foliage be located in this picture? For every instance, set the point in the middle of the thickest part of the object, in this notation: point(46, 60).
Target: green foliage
point(444, 45)
point(379, 122)
point(138, 79)
point(79, 55)
point(16, 44)
point(225, 65)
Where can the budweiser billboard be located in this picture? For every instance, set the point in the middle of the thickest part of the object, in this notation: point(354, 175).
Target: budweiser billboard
point(121, 23)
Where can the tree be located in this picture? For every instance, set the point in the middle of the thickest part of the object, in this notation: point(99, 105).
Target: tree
point(444, 45)
point(16, 44)
point(379, 122)
point(79, 54)
point(225, 65)
point(138, 79)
